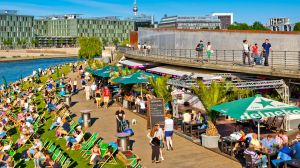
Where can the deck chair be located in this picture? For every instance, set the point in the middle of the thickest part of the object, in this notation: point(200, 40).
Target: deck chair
point(278, 122)
point(48, 145)
point(89, 152)
point(90, 142)
point(62, 159)
point(89, 145)
point(51, 148)
point(67, 163)
point(111, 159)
point(56, 155)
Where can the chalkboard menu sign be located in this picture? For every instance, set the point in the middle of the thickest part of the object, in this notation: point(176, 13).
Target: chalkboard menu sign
point(156, 112)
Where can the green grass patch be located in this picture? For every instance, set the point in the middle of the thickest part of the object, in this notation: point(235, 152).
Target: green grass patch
point(75, 155)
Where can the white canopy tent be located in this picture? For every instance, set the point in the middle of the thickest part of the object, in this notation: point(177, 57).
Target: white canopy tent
point(176, 71)
point(134, 63)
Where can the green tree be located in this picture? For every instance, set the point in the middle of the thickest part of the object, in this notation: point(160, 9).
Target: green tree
point(297, 26)
point(116, 41)
point(50, 42)
point(215, 94)
point(74, 41)
point(61, 42)
point(259, 26)
point(161, 89)
point(239, 26)
point(89, 47)
point(124, 42)
point(8, 42)
point(244, 26)
point(34, 42)
point(104, 42)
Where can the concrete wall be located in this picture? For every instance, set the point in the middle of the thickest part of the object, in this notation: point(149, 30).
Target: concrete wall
point(221, 40)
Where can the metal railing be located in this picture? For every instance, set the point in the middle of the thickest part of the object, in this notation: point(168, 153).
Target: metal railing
point(278, 60)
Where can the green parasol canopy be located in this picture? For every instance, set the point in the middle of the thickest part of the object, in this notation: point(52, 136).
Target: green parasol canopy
point(255, 107)
point(138, 77)
point(89, 70)
point(105, 71)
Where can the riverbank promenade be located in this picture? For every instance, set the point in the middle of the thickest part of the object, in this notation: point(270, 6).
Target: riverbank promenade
point(185, 154)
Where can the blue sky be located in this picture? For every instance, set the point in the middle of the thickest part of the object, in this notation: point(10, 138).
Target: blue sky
point(244, 10)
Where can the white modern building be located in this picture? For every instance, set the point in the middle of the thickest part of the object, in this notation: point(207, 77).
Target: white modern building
point(225, 18)
point(280, 24)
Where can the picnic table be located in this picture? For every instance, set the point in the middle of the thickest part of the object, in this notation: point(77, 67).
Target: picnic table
point(228, 140)
point(190, 126)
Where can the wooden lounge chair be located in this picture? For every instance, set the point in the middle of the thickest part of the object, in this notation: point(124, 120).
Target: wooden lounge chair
point(269, 122)
point(279, 120)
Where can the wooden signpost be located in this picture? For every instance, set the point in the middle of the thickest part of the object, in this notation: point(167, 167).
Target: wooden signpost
point(156, 112)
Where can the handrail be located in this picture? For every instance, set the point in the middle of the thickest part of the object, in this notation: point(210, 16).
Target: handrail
point(278, 60)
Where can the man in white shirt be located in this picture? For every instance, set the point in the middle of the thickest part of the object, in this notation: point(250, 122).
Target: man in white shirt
point(87, 92)
point(187, 117)
point(94, 88)
point(246, 52)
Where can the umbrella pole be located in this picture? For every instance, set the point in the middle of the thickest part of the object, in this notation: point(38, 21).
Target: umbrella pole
point(141, 89)
point(258, 130)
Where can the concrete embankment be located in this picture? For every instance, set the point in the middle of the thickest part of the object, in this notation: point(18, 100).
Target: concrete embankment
point(45, 53)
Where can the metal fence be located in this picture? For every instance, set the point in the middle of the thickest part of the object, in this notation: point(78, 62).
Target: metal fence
point(285, 60)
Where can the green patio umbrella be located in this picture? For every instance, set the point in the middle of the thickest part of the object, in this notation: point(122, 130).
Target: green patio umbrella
point(105, 71)
point(139, 77)
point(254, 108)
point(89, 70)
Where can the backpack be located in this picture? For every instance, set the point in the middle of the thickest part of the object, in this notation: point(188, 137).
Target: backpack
point(200, 47)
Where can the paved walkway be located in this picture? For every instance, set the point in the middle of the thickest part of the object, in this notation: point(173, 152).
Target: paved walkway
point(185, 154)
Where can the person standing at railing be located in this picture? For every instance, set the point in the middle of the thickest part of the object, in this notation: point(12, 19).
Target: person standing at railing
point(199, 49)
point(209, 51)
point(145, 48)
point(255, 54)
point(267, 47)
point(246, 52)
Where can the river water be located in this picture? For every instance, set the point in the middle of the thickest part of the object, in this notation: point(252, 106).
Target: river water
point(12, 71)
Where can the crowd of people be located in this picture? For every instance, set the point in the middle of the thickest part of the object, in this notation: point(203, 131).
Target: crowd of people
point(257, 149)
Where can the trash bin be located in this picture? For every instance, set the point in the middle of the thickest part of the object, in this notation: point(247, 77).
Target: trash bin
point(86, 117)
point(68, 100)
point(123, 141)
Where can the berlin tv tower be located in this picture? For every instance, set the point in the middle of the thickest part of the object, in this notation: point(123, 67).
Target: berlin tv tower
point(135, 9)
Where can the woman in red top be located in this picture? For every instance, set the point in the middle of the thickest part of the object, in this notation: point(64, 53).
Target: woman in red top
point(95, 152)
point(254, 50)
point(106, 94)
point(255, 54)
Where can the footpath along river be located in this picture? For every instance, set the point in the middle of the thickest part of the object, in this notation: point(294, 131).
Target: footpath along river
point(13, 70)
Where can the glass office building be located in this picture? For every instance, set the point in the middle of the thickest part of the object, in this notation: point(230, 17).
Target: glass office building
point(72, 26)
point(190, 22)
point(14, 27)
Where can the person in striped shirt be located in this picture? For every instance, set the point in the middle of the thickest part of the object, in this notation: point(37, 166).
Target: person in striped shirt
point(257, 159)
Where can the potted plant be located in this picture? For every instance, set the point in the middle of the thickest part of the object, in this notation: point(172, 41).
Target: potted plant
point(211, 95)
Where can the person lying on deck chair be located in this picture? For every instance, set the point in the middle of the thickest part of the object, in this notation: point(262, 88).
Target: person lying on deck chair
point(78, 136)
point(64, 129)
